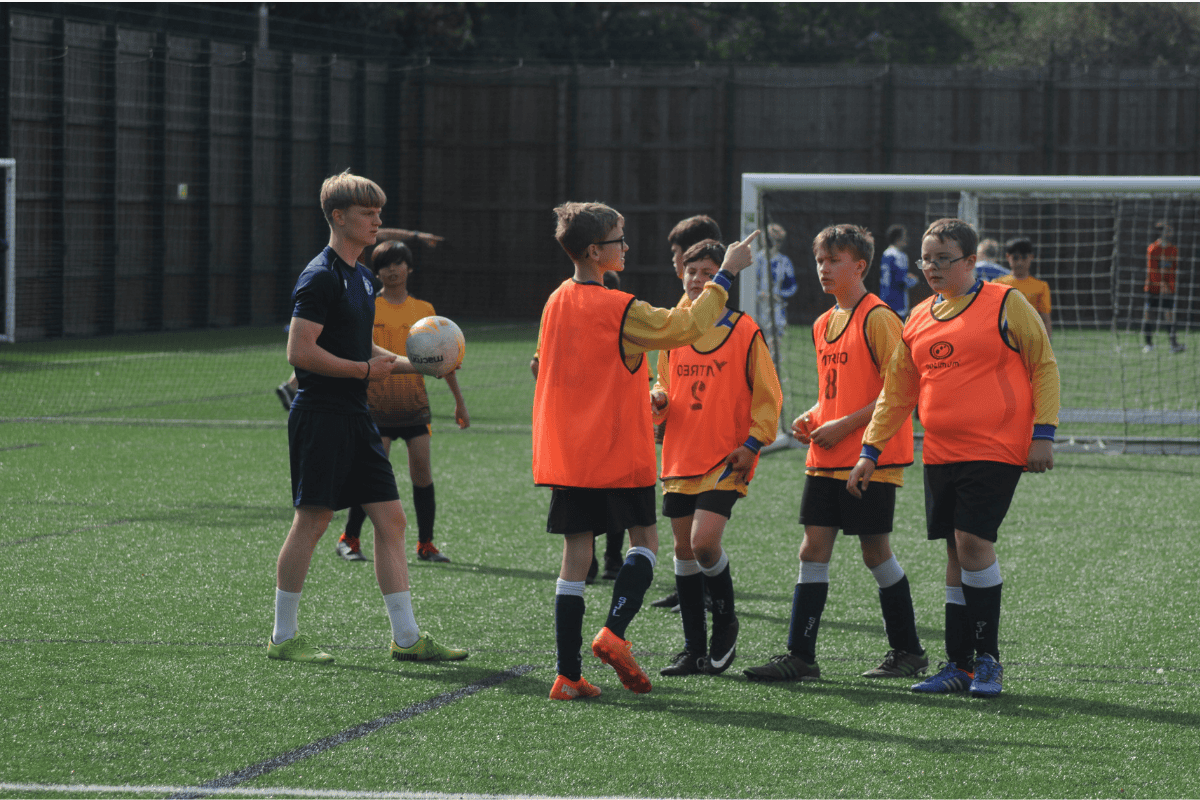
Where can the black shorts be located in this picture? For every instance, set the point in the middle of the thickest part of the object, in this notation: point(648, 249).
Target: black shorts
point(1160, 302)
point(970, 496)
point(405, 432)
point(594, 510)
point(721, 502)
point(827, 503)
point(337, 460)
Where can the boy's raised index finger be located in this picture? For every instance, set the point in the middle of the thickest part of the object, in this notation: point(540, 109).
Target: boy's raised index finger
point(751, 237)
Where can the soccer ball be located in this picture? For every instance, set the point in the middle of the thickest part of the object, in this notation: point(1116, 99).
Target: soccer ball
point(435, 346)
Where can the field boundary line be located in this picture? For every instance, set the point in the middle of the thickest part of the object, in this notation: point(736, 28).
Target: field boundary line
point(350, 734)
point(73, 789)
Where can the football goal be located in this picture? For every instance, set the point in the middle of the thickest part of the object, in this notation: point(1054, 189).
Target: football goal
point(1125, 388)
point(8, 250)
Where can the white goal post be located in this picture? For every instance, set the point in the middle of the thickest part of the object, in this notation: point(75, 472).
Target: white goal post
point(1127, 383)
point(10, 251)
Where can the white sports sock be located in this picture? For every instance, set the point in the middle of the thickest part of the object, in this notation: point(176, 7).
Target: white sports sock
point(685, 568)
point(954, 596)
point(813, 572)
point(287, 613)
point(404, 625)
point(642, 551)
point(719, 567)
point(984, 578)
point(888, 573)
point(572, 588)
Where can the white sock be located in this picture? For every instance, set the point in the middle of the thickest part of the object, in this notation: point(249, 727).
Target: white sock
point(689, 567)
point(813, 572)
point(954, 596)
point(984, 578)
point(719, 567)
point(642, 551)
point(287, 614)
point(888, 573)
point(404, 625)
point(572, 588)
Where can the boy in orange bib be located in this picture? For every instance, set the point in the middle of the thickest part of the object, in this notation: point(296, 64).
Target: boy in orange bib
point(854, 341)
point(980, 346)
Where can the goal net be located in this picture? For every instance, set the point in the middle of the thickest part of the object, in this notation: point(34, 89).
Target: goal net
point(1090, 237)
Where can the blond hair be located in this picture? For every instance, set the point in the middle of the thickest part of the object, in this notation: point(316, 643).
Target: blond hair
point(347, 189)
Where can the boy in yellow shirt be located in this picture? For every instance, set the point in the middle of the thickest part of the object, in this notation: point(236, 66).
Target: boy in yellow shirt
point(1020, 257)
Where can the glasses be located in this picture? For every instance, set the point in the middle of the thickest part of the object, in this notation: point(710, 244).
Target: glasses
point(611, 241)
point(937, 263)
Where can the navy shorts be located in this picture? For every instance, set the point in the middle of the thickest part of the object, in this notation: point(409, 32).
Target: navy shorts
point(405, 432)
point(970, 496)
point(594, 510)
point(721, 502)
point(337, 460)
point(827, 503)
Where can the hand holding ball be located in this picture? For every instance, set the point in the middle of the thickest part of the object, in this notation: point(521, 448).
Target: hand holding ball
point(435, 346)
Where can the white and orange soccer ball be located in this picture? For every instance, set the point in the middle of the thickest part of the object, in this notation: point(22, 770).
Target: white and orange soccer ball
point(435, 346)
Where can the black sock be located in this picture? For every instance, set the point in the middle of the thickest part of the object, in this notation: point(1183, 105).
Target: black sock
point(720, 586)
point(628, 592)
point(568, 634)
point(958, 636)
point(899, 621)
point(808, 603)
point(354, 522)
point(691, 610)
point(983, 613)
point(426, 506)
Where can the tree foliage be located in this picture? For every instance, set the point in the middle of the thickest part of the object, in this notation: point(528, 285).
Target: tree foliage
point(983, 34)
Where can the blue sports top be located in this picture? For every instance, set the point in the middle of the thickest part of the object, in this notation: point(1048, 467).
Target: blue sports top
point(341, 298)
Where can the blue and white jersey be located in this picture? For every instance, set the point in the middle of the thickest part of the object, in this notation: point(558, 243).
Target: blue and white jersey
point(988, 271)
point(894, 280)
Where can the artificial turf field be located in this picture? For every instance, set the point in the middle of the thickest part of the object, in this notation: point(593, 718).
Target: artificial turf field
point(137, 584)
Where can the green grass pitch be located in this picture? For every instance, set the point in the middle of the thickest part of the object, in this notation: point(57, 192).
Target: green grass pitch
point(137, 577)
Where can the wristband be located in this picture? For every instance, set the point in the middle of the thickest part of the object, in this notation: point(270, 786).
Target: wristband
point(870, 452)
point(367, 377)
point(752, 444)
point(724, 279)
point(1044, 432)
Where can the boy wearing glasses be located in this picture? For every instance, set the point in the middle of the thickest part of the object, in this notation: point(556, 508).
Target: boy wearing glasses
point(980, 347)
point(592, 438)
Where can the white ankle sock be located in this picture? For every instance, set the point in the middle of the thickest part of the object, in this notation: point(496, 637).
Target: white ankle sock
point(404, 625)
point(287, 613)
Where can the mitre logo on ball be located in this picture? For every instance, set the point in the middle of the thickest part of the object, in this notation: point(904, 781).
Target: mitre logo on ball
point(435, 346)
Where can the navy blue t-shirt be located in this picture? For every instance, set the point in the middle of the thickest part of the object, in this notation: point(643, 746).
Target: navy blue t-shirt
point(342, 299)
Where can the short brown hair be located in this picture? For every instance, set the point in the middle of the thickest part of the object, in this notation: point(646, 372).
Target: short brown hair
point(693, 230)
point(390, 252)
point(853, 239)
point(956, 230)
point(709, 248)
point(347, 189)
point(583, 224)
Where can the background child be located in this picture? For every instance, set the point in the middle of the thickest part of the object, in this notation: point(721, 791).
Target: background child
point(723, 398)
point(988, 397)
point(1020, 257)
point(1162, 261)
point(854, 341)
point(399, 403)
point(592, 436)
point(987, 268)
point(895, 279)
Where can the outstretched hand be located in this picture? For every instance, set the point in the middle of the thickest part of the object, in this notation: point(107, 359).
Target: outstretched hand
point(739, 255)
